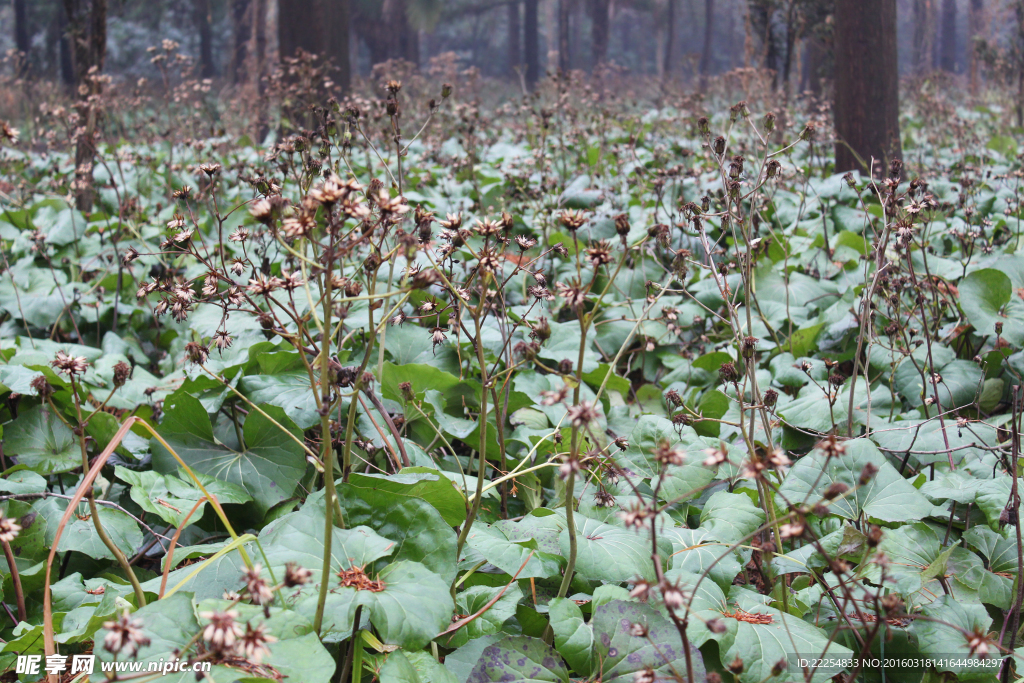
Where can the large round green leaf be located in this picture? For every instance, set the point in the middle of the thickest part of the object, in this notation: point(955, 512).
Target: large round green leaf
point(268, 465)
point(983, 296)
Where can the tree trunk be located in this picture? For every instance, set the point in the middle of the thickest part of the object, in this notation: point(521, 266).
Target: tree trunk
point(531, 41)
point(791, 31)
point(335, 40)
point(867, 84)
point(599, 28)
point(563, 36)
point(202, 17)
point(670, 28)
point(241, 25)
point(298, 28)
point(515, 57)
point(67, 69)
point(1019, 8)
point(21, 32)
point(705, 53)
point(87, 31)
point(974, 32)
point(814, 55)
point(922, 36)
point(259, 34)
point(947, 51)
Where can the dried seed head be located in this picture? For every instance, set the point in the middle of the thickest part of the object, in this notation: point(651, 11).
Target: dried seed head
point(727, 372)
point(69, 365)
point(222, 632)
point(253, 643)
point(122, 373)
point(9, 529)
point(295, 575)
point(868, 473)
point(835, 490)
point(42, 387)
point(124, 635)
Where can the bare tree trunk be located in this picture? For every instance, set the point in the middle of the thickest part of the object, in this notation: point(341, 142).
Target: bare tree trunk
point(21, 32)
point(974, 30)
point(813, 57)
point(670, 28)
point(515, 57)
point(298, 28)
point(336, 17)
point(922, 36)
point(1019, 8)
point(867, 84)
point(241, 25)
point(87, 31)
point(791, 31)
point(599, 29)
point(947, 51)
point(202, 18)
point(259, 39)
point(563, 36)
point(705, 53)
point(67, 68)
point(531, 42)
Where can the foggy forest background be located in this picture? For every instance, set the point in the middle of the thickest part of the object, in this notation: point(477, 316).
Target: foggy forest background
point(683, 41)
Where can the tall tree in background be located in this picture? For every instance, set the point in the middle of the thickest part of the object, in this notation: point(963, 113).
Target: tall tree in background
point(866, 84)
point(386, 29)
point(947, 49)
point(241, 28)
point(922, 42)
point(531, 41)
point(515, 58)
point(792, 16)
point(202, 18)
point(298, 28)
point(67, 68)
point(975, 21)
point(709, 33)
point(87, 32)
point(563, 36)
point(21, 34)
point(599, 31)
point(334, 36)
point(670, 28)
point(319, 27)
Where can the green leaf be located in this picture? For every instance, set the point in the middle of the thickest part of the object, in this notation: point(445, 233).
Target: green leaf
point(983, 294)
point(420, 376)
point(168, 624)
point(508, 555)
point(413, 607)
point(414, 667)
point(283, 382)
point(80, 533)
point(607, 646)
point(418, 482)
point(941, 636)
point(760, 646)
point(731, 517)
point(518, 659)
point(42, 442)
point(887, 497)
point(611, 553)
point(682, 482)
point(696, 551)
point(419, 532)
point(299, 537)
point(472, 600)
point(172, 498)
point(268, 467)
